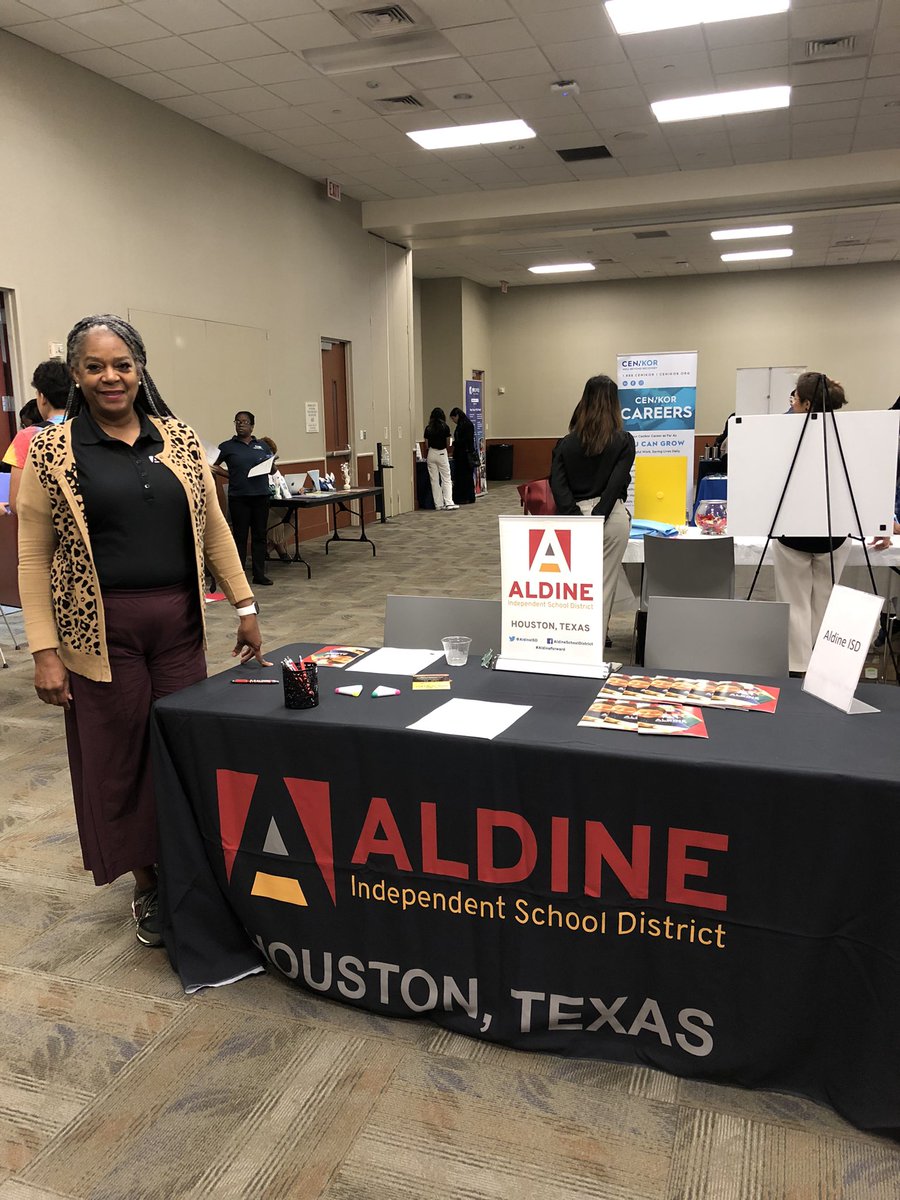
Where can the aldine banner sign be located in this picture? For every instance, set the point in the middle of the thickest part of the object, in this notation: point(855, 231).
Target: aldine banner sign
point(551, 572)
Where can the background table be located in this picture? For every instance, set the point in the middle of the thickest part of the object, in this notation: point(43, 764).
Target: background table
point(710, 487)
point(343, 500)
point(726, 909)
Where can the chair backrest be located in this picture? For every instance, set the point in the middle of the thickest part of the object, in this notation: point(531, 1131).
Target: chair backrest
point(688, 567)
point(421, 621)
point(727, 637)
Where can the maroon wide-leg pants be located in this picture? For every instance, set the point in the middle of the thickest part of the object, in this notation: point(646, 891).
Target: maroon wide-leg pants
point(155, 644)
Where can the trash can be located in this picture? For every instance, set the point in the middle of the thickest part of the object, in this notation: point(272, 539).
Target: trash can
point(499, 461)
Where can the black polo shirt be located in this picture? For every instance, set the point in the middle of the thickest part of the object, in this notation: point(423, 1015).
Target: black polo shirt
point(136, 509)
point(239, 456)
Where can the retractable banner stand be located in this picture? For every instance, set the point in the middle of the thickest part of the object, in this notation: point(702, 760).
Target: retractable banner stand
point(551, 571)
point(658, 394)
point(474, 408)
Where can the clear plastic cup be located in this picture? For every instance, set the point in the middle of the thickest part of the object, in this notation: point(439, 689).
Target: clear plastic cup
point(456, 650)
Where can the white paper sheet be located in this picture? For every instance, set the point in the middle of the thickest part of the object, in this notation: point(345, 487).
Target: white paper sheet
point(391, 660)
point(262, 468)
point(471, 718)
point(213, 453)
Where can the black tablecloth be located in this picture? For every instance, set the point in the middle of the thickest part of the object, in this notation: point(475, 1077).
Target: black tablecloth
point(725, 908)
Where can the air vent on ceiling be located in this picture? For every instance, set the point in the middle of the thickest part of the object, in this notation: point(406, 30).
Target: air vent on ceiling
point(398, 103)
point(644, 234)
point(382, 20)
point(835, 47)
point(603, 262)
point(584, 153)
point(848, 242)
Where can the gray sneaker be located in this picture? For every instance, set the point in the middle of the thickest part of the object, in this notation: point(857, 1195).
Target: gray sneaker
point(145, 910)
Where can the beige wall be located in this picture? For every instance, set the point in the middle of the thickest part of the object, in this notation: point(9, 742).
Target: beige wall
point(442, 345)
point(112, 203)
point(547, 340)
point(477, 349)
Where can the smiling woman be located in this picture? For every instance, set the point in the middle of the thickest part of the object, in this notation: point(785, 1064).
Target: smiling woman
point(117, 518)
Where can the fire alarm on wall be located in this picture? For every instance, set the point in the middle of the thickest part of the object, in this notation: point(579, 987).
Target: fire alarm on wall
point(333, 189)
point(504, 286)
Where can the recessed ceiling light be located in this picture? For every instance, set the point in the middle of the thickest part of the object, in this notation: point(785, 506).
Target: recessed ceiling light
point(746, 255)
point(722, 104)
point(462, 95)
point(558, 268)
point(471, 135)
point(373, 83)
point(630, 135)
point(892, 104)
point(644, 16)
point(729, 235)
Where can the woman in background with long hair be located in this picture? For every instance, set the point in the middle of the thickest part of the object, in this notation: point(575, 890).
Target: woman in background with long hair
point(437, 439)
point(591, 471)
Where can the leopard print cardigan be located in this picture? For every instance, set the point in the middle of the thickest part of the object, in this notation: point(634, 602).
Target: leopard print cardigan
point(76, 613)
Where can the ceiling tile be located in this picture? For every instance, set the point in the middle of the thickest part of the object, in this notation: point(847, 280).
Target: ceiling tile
point(274, 68)
point(491, 37)
point(106, 62)
point(772, 28)
point(276, 119)
point(67, 8)
point(596, 104)
point(573, 122)
point(671, 43)
point(264, 10)
point(481, 114)
point(819, 93)
point(214, 78)
point(228, 125)
point(261, 141)
point(884, 64)
point(307, 135)
point(750, 57)
point(346, 109)
point(194, 107)
point(505, 66)
point(834, 111)
point(187, 16)
point(574, 25)
point(237, 41)
point(887, 41)
point(115, 26)
point(153, 86)
point(524, 87)
point(54, 36)
point(306, 32)
point(444, 73)
point(574, 56)
point(389, 83)
point(245, 100)
point(166, 54)
point(369, 129)
point(551, 173)
point(308, 91)
point(833, 20)
point(13, 13)
point(599, 79)
point(828, 72)
point(447, 14)
point(478, 94)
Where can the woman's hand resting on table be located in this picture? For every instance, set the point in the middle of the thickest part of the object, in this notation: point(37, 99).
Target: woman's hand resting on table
point(249, 642)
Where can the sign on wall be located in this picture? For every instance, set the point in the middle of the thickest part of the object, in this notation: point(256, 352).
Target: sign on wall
point(474, 410)
point(551, 571)
point(658, 394)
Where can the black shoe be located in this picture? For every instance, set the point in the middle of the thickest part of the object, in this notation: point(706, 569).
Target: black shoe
point(263, 581)
point(145, 910)
point(608, 642)
point(285, 557)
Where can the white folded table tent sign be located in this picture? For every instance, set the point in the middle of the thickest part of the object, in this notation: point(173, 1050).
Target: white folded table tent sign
point(551, 571)
point(840, 650)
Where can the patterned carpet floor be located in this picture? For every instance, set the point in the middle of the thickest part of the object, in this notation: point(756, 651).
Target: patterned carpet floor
point(116, 1086)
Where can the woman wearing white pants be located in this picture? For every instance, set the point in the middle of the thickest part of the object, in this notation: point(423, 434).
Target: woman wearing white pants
point(590, 473)
point(803, 566)
point(437, 439)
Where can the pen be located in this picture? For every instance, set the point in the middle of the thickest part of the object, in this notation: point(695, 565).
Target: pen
point(254, 681)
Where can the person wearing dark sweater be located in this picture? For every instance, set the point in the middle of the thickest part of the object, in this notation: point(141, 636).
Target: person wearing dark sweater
point(591, 471)
point(803, 565)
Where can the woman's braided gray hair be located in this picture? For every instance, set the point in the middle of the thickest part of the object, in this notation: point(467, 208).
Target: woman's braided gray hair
point(148, 397)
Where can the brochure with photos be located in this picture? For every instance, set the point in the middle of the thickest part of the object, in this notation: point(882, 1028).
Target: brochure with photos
point(336, 656)
point(709, 693)
point(636, 716)
point(430, 683)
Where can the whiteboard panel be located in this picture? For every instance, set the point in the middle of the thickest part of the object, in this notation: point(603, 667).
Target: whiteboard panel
point(760, 450)
point(761, 390)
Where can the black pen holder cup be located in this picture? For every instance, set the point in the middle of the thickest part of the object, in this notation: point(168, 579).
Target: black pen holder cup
point(301, 687)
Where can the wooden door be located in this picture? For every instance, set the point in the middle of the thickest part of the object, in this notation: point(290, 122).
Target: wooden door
point(337, 419)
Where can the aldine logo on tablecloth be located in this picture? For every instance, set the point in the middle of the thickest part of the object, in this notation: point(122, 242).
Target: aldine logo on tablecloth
point(312, 803)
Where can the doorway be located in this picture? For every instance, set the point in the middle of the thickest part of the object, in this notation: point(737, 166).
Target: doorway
point(337, 415)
